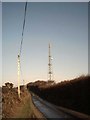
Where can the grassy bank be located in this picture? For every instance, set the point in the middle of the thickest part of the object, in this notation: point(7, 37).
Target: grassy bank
point(25, 110)
point(13, 107)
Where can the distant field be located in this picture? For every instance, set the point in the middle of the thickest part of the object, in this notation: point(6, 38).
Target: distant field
point(73, 94)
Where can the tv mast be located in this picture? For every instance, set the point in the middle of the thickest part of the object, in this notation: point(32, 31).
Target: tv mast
point(50, 72)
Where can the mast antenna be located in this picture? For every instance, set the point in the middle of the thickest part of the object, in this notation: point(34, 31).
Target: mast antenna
point(50, 72)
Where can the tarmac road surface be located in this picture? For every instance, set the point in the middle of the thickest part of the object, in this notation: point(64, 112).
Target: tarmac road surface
point(49, 110)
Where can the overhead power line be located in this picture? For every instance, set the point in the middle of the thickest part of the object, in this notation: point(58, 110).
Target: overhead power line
point(23, 28)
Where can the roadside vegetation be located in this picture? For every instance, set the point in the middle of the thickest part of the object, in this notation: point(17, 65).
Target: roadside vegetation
point(13, 107)
point(73, 94)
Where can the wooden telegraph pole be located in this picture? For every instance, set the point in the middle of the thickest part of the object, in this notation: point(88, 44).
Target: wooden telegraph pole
point(19, 76)
point(19, 55)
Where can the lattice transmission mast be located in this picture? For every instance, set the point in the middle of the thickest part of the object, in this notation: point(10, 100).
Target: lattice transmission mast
point(50, 72)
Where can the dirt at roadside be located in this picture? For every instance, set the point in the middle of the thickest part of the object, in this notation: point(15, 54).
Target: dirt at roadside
point(12, 106)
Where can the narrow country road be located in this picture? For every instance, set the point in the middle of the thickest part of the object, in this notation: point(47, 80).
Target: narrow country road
point(49, 110)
